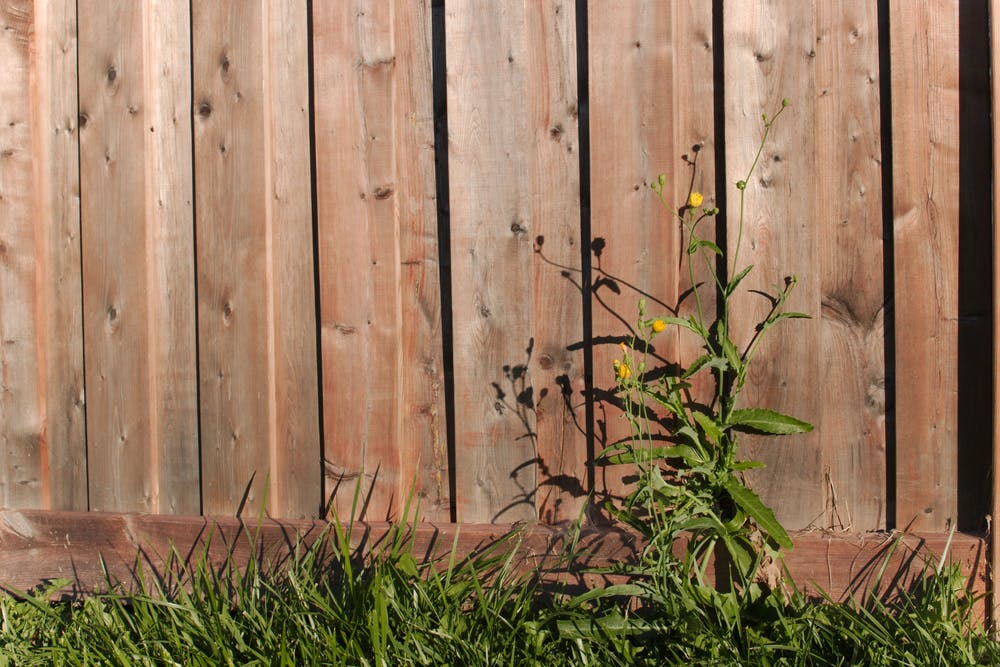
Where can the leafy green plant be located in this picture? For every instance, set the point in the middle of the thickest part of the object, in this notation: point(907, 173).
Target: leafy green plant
point(685, 451)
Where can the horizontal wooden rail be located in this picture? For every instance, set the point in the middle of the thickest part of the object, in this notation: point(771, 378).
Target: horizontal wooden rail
point(38, 547)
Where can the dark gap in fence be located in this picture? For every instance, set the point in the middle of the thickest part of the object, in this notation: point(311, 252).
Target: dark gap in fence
point(83, 311)
point(439, 68)
point(583, 128)
point(719, 124)
point(314, 196)
point(975, 267)
point(888, 261)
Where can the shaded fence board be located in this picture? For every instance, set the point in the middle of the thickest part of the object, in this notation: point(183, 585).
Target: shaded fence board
point(848, 218)
point(769, 56)
point(925, 235)
point(635, 244)
point(383, 382)
point(259, 406)
point(511, 107)
point(62, 453)
point(137, 251)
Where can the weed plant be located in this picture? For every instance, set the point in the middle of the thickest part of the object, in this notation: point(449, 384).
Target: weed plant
point(334, 605)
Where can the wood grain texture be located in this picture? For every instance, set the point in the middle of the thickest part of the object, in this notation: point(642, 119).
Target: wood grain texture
point(555, 367)
point(33, 550)
point(925, 142)
point(770, 49)
point(22, 447)
point(637, 118)
point(848, 219)
point(56, 222)
point(513, 178)
point(259, 394)
point(138, 286)
point(383, 393)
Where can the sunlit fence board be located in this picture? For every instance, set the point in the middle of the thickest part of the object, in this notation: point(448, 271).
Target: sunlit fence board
point(138, 258)
point(514, 177)
point(847, 168)
point(383, 381)
point(925, 107)
point(256, 308)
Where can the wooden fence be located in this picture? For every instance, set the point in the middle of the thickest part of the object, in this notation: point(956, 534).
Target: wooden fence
point(260, 252)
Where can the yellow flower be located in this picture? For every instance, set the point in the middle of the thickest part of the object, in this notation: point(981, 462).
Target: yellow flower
point(622, 370)
point(695, 200)
point(659, 325)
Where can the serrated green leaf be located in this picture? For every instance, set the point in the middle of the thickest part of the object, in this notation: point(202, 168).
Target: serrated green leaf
point(644, 455)
point(705, 361)
point(762, 420)
point(708, 425)
point(750, 503)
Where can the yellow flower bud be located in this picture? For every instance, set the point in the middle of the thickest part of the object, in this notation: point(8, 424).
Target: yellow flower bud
point(695, 200)
point(622, 370)
point(659, 325)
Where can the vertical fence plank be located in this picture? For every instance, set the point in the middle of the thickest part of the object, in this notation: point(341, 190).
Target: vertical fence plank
point(138, 254)
point(24, 481)
point(635, 243)
point(380, 298)
point(849, 220)
point(63, 465)
point(924, 47)
point(171, 328)
point(555, 370)
point(255, 289)
point(769, 56)
point(512, 166)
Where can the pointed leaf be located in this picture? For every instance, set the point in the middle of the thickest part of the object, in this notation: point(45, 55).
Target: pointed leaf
point(734, 283)
point(708, 425)
point(762, 420)
point(791, 316)
point(750, 503)
point(702, 243)
point(704, 361)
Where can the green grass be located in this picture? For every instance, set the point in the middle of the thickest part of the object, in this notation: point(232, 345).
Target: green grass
point(329, 605)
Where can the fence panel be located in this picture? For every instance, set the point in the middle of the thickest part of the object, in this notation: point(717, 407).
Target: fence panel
point(848, 219)
point(39, 262)
point(201, 123)
point(925, 150)
point(383, 374)
point(514, 178)
point(138, 288)
point(62, 453)
point(256, 304)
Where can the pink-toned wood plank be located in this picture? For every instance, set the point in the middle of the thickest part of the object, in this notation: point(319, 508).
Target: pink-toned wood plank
point(513, 178)
point(259, 412)
point(383, 393)
point(848, 217)
point(23, 478)
point(769, 55)
point(924, 47)
point(555, 370)
point(634, 126)
point(138, 254)
point(56, 222)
